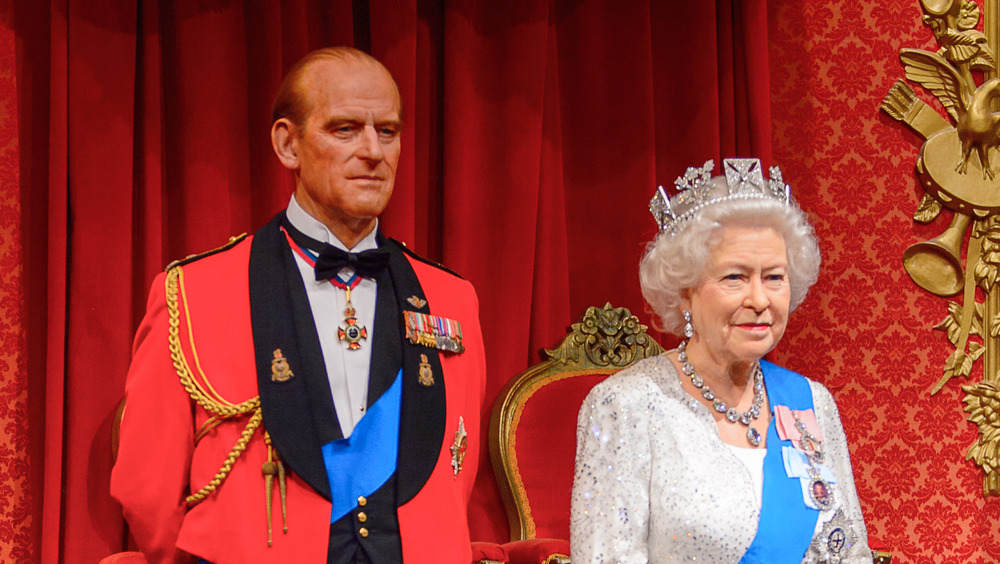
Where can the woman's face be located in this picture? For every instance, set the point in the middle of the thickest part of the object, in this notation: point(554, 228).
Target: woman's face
point(740, 309)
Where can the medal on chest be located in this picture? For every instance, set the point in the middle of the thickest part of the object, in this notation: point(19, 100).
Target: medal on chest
point(351, 332)
point(804, 459)
point(834, 543)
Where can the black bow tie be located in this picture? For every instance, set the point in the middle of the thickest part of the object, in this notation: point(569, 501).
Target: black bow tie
point(366, 263)
point(331, 259)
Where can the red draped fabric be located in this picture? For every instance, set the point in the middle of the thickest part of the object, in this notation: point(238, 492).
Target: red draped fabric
point(535, 135)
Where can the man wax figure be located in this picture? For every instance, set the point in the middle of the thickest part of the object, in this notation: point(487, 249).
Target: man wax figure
point(290, 401)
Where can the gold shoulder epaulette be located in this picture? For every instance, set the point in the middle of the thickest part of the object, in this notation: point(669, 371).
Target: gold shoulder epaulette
point(233, 241)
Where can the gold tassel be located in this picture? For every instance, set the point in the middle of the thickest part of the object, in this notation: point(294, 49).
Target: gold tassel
point(269, 469)
point(282, 490)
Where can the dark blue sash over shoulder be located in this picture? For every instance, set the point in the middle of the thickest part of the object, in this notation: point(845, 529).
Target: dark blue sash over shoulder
point(786, 524)
point(360, 464)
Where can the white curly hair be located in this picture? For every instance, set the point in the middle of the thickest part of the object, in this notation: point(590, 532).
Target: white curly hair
point(675, 263)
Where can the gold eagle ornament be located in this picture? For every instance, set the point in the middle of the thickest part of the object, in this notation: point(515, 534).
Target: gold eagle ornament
point(972, 324)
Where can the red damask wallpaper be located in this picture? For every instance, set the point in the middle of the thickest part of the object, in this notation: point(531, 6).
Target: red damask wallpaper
point(15, 513)
point(866, 329)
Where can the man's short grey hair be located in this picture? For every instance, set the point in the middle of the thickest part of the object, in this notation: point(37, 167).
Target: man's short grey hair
point(674, 264)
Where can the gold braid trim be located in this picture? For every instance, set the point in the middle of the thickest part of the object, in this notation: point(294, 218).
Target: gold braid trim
point(208, 399)
point(220, 476)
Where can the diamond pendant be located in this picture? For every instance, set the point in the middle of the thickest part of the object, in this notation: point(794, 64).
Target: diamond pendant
point(753, 436)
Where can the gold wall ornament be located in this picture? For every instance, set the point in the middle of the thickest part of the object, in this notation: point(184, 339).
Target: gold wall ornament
point(983, 405)
point(955, 167)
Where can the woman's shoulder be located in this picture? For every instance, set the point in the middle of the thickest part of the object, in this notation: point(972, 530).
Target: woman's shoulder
point(634, 382)
point(823, 401)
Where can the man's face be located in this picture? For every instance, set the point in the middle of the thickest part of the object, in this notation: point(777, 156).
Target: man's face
point(348, 147)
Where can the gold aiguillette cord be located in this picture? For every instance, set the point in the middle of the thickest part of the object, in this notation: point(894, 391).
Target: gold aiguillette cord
point(273, 467)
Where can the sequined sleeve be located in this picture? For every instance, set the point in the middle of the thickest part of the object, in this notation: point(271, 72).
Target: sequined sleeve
point(610, 500)
point(828, 418)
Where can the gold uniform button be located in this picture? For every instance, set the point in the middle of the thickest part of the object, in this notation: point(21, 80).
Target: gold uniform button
point(362, 517)
point(363, 532)
point(362, 501)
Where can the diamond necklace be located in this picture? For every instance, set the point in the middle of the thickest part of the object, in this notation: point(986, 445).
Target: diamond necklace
point(732, 414)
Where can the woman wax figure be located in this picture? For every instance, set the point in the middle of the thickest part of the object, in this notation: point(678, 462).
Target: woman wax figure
point(708, 453)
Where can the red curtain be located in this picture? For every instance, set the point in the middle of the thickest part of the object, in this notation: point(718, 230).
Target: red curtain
point(535, 135)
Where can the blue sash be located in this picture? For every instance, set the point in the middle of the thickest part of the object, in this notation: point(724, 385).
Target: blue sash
point(786, 523)
point(360, 464)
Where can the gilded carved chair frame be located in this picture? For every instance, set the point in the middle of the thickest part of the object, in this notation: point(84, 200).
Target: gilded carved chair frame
point(604, 341)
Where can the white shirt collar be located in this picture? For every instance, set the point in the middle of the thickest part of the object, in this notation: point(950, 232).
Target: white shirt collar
point(312, 227)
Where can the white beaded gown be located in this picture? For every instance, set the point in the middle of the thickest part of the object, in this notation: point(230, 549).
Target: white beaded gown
point(655, 483)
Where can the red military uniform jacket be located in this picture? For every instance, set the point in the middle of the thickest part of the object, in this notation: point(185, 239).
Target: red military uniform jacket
point(211, 330)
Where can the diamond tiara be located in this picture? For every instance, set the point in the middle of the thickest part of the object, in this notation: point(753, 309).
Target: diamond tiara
point(697, 189)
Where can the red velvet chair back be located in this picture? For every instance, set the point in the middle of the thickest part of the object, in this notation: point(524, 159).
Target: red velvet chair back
point(533, 425)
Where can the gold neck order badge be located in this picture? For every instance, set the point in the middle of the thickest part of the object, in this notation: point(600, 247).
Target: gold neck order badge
point(352, 332)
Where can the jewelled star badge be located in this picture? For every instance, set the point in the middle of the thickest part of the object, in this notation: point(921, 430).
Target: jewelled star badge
point(835, 541)
point(459, 447)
